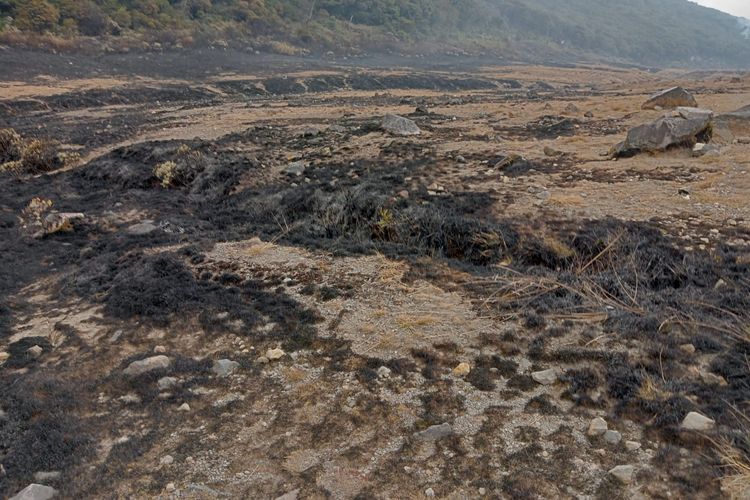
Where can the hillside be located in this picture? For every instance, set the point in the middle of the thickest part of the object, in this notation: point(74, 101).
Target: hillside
point(650, 32)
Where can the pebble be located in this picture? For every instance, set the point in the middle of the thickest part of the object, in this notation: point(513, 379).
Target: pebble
point(4, 357)
point(224, 367)
point(130, 399)
point(146, 365)
point(623, 473)
point(632, 445)
point(274, 354)
point(184, 407)
point(688, 348)
point(435, 432)
point(694, 421)
point(35, 492)
point(482, 491)
point(597, 427)
point(462, 370)
point(47, 476)
point(429, 492)
point(612, 437)
point(167, 460)
point(403, 194)
point(160, 349)
point(263, 360)
point(166, 383)
point(292, 495)
point(545, 377)
point(170, 487)
point(35, 351)
point(384, 372)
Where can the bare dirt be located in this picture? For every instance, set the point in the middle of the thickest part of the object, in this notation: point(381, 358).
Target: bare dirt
point(377, 271)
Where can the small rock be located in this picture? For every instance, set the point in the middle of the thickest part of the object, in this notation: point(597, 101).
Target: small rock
point(429, 492)
point(398, 125)
point(545, 377)
point(482, 491)
point(597, 427)
point(589, 114)
point(460, 159)
point(612, 437)
point(571, 109)
point(142, 366)
point(292, 495)
point(35, 351)
point(130, 399)
point(623, 473)
point(224, 367)
point(4, 356)
point(462, 370)
point(435, 432)
point(170, 487)
point(712, 379)
point(142, 228)
point(688, 348)
point(35, 492)
point(116, 336)
point(384, 372)
point(47, 477)
point(274, 354)
point(632, 445)
point(167, 460)
point(165, 383)
point(184, 407)
point(403, 194)
point(694, 421)
point(160, 349)
point(295, 169)
point(263, 360)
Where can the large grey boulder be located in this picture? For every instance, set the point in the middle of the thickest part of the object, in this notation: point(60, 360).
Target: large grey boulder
point(681, 127)
point(35, 492)
point(731, 126)
point(670, 99)
point(398, 125)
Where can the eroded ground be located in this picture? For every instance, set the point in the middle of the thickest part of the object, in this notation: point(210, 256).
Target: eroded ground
point(377, 271)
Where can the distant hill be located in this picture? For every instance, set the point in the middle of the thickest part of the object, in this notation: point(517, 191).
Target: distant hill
point(646, 32)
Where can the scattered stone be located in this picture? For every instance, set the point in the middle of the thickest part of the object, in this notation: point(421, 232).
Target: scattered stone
point(292, 495)
point(597, 427)
point(160, 349)
point(545, 377)
point(384, 372)
point(672, 129)
point(142, 228)
point(274, 354)
point(632, 445)
point(224, 367)
point(404, 194)
point(571, 109)
point(462, 370)
point(47, 476)
point(142, 366)
point(295, 169)
point(694, 421)
point(116, 336)
point(687, 348)
point(429, 492)
point(623, 473)
point(612, 437)
point(712, 379)
point(435, 432)
point(170, 487)
point(35, 492)
point(702, 149)
point(4, 356)
point(167, 460)
point(548, 151)
point(398, 125)
point(422, 110)
point(165, 383)
point(130, 399)
point(460, 159)
point(670, 99)
point(589, 114)
point(263, 360)
point(184, 407)
point(35, 351)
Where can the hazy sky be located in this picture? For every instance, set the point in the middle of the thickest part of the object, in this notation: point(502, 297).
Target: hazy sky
point(736, 7)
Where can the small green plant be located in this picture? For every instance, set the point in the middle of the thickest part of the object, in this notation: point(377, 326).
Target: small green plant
point(166, 173)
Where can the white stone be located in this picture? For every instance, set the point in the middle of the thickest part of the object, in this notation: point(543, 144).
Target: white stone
point(597, 427)
point(146, 365)
point(623, 473)
point(274, 354)
point(35, 492)
point(545, 377)
point(696, 422)
point(632, 445)
point(612, 437)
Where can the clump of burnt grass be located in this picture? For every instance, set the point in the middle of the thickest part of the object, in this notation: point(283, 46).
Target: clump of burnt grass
point(40, 430)
point(33, 156)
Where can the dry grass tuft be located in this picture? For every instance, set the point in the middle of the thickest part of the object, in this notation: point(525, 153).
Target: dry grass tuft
point(413, 322)
point(736, 483)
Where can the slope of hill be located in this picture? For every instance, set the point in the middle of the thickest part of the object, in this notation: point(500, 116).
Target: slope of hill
point(651, 32)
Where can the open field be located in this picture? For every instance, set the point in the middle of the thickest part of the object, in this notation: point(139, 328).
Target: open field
point(574, 286)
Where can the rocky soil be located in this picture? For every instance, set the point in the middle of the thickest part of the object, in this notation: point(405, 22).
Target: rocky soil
point(366, 283)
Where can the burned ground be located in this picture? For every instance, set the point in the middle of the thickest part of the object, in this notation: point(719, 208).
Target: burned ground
point(230, 256)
